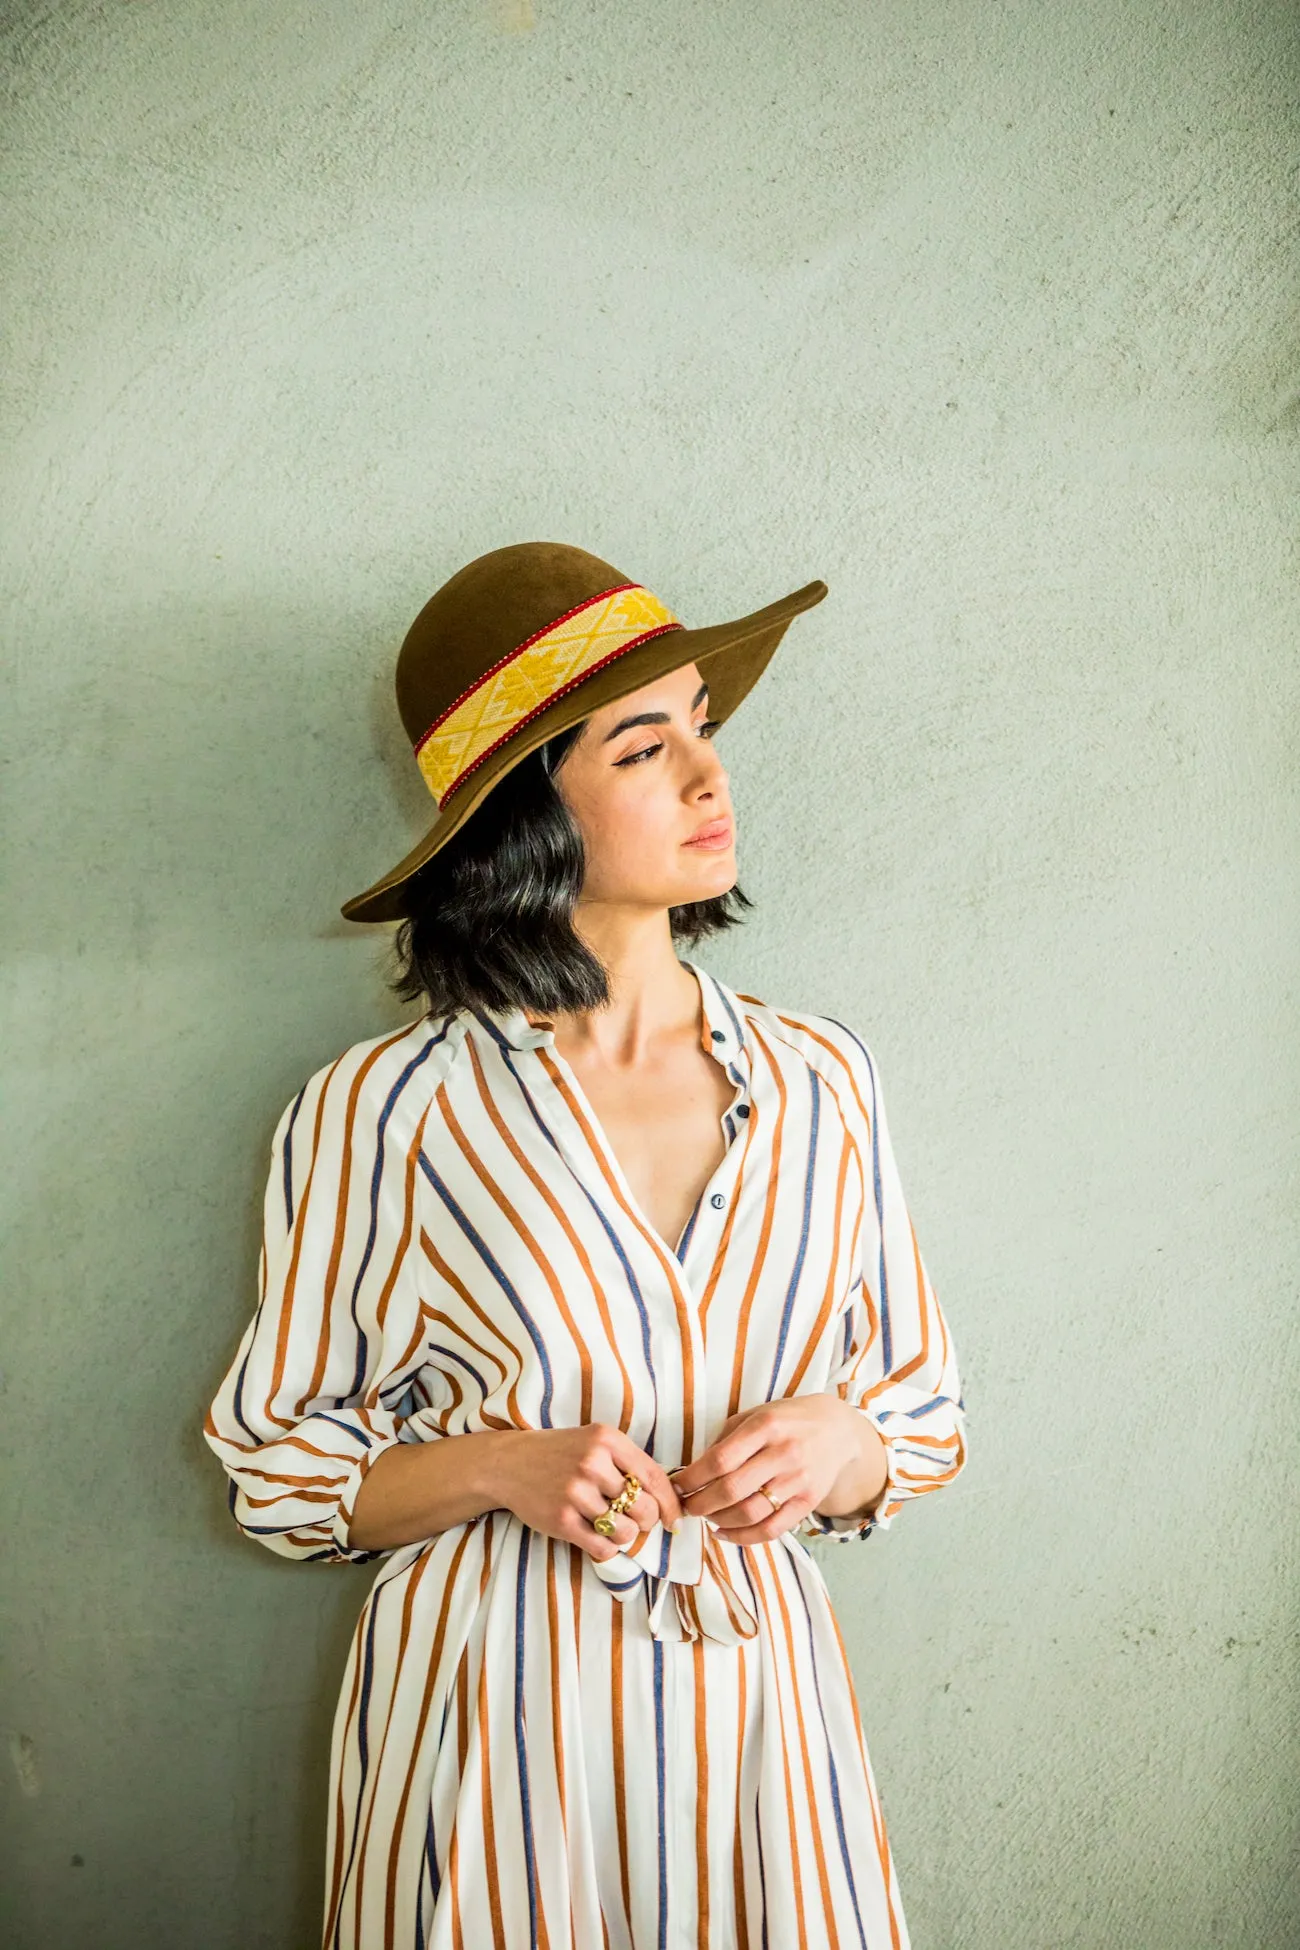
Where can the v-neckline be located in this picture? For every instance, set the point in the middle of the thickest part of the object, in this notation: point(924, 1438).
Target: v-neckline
point(610, 1155)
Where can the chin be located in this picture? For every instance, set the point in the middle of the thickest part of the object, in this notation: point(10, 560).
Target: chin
point(709, 883)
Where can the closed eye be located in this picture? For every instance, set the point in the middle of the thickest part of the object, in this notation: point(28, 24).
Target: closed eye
point(708, 726)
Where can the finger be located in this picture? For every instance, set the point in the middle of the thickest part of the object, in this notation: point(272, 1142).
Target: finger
point(734, 1486)
point(653, 1478)
point(749, 1510)
point(586, 1503)
point(644, 1511)
point(774, 1524)
point(577, 1531)
point(724, 1454)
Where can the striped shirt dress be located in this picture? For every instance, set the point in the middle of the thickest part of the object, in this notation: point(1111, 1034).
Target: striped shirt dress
point(662, 1751)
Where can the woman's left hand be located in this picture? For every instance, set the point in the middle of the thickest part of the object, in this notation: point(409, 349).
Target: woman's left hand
point(810, 1451)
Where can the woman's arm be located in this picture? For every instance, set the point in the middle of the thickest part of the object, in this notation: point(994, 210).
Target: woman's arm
point(419, 1488)
point(311, 1400)
point(554, 1480)
point(859, 1486)
point(899, 1370)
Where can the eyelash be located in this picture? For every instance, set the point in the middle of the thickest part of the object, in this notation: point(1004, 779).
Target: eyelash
point(707, 724)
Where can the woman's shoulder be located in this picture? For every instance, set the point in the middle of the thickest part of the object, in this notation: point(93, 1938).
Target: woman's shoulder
point(384, 1081)
point(837, 1050)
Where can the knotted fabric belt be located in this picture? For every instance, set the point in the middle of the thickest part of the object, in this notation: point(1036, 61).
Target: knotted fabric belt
point(688, 1584)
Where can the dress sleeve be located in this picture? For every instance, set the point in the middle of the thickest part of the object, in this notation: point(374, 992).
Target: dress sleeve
point(898, 1366)
point(312, 1396)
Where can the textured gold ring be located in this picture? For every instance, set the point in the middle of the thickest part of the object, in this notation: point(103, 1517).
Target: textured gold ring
point(629, 1493)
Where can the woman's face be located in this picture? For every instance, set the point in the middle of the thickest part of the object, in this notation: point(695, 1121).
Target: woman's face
point(651, 798)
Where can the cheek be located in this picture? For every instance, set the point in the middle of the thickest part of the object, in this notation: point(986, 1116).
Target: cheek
point(630, 836)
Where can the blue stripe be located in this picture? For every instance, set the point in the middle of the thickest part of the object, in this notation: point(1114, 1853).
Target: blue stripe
point(431, 1858)
point(288, 1158)
point(715, 991)
point(376, 1178)
point(499, 1274)
point(238, 1398)
point(684, 1242)
point(485, 1021)
point(886, 1335)
point(363, 1748)
point(805, 1228)
point(663, 1803)
point(926, 1408)
point(436, 1347)
point(758, 1818)
point(521, 1742)
point(359, 1434)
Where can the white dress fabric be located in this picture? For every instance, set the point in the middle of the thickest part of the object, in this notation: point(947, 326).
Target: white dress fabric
point(662, 1751)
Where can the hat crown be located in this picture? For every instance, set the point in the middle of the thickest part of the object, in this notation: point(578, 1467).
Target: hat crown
point(483, 613)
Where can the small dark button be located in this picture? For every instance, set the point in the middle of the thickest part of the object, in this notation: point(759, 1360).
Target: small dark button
point(719, 1198)
point(719, 1035)
point(742, 1110)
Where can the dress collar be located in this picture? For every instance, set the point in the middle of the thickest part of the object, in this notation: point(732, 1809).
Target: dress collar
point(722, 1031)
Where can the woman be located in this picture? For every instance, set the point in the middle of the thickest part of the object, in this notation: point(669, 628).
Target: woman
point(584, 1298)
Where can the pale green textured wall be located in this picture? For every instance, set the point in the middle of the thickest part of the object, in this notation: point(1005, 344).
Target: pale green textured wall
point(989, 316)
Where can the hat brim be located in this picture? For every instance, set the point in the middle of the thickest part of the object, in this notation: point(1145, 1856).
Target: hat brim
point(735, 655)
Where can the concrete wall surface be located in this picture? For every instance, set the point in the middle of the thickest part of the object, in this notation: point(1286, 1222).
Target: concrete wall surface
point(990, 316)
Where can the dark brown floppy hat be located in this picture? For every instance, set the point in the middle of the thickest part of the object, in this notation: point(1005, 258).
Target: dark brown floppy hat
point(522, 643)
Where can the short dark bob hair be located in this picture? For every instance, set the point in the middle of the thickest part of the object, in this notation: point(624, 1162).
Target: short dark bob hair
point(492, 912)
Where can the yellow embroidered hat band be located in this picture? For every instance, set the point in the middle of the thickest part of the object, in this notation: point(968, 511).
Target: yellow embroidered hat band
point(522, 643)
point(524, 682)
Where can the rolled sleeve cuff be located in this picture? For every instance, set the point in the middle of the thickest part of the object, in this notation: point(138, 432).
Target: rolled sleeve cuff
point(344, 1551)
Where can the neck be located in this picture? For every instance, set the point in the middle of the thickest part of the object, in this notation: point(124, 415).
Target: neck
point(652, 994)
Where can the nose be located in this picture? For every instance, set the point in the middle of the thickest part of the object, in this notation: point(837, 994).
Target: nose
point(709, 767)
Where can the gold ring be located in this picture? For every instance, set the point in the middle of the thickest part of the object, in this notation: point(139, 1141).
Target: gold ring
point(629, 1493)
point(768, 1494)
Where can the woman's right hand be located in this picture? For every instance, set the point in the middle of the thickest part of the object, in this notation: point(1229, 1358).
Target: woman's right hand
point(557, 1480)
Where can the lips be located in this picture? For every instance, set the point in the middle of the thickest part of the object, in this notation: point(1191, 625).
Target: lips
point(716, 833)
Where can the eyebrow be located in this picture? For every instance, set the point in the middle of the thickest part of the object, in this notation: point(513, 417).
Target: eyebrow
point(653, 717)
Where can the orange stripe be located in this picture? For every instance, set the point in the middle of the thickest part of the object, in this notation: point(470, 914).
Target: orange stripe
point(557, 1711)
point(620, 1757)
point(720, 1263)
point(290, 1283)
point(765, 1230)
point(737, 1851)
point(703, 1932)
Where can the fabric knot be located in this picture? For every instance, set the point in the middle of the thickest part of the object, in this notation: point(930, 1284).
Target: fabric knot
point(688, 1584)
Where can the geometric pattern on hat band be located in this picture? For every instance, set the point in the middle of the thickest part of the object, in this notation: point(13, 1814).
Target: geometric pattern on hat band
point(533, 675)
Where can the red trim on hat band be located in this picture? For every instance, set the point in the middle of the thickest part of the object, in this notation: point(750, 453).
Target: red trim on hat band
point(525, 682)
